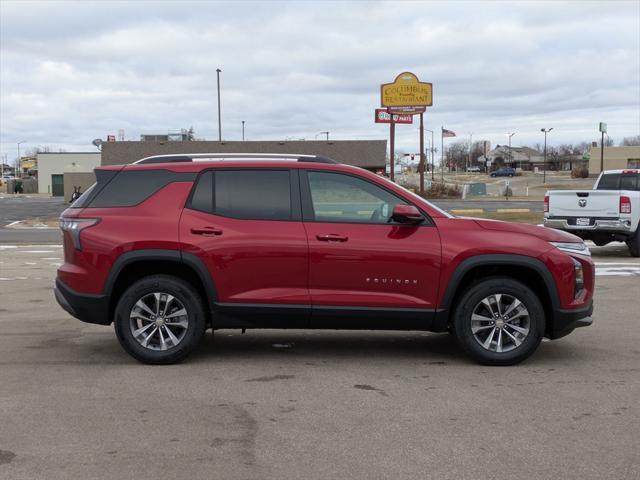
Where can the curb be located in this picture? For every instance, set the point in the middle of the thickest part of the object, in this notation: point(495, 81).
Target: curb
point(467, 210)
point(513, 210)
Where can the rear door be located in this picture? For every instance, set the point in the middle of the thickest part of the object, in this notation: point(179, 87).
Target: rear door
point(365, 271)
point(245, 225)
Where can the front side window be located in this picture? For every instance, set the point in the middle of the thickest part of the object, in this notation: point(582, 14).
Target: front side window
point(347, 199)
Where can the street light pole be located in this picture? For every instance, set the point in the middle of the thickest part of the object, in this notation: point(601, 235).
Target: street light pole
point(544, 162)
point(510, 154)
point(432, 153)
point(243, 130)
point(219, 117)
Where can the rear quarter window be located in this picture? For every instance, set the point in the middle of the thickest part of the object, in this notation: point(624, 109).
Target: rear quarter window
point(129, 188)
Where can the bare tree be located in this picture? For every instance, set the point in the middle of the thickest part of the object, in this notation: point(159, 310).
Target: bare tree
point(630, 141)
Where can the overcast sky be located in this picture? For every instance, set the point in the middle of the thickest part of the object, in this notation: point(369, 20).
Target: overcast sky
point(74, 71)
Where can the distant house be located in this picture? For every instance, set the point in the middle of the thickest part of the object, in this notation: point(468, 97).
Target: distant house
point(517, 157)
point(614, 158)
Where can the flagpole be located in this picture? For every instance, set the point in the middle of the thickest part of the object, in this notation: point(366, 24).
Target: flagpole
point(442, 153)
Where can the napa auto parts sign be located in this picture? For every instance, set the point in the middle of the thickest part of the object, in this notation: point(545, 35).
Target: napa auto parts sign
point(382, 116)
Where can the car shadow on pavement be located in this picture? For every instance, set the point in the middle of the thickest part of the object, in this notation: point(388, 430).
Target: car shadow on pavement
point(329, 345)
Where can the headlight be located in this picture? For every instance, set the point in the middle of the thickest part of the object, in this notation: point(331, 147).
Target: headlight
point(572, 248)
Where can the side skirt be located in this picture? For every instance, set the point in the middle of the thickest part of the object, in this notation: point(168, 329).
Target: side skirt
point(242, 315)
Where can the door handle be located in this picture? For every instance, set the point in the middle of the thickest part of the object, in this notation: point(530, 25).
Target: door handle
point(206, 231)
point(332, 237)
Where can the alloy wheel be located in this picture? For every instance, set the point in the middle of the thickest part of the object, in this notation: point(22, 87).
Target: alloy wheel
point(158, 321)
point(500, 323)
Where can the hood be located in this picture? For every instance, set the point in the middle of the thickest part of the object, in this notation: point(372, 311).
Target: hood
point(546, 234)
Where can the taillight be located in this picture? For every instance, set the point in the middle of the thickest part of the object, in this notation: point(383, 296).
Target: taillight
point(74, 226)
point(546, 204)
point(625, 204)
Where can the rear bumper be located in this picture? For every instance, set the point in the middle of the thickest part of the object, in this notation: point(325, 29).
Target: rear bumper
point(85, 307)
point(603, 225)
point(568, 320)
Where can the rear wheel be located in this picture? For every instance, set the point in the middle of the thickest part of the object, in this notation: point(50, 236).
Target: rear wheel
point(160, 319)
point(634, 244)
point(499, 321)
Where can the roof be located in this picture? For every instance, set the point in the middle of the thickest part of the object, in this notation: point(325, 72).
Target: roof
point(360, 153)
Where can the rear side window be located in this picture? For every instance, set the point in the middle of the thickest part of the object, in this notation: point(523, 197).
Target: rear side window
point(244, 194)
point(609, 182)
point(620, 181)
point(629, 181)
point(130, 188)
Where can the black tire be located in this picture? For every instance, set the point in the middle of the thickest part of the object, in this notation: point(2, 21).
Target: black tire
point(472, 299)
point(634, 244)
point(185, 294)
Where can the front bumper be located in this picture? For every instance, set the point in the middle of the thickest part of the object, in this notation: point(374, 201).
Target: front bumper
point(85, 307)
point(566, 321)
point(599, 224)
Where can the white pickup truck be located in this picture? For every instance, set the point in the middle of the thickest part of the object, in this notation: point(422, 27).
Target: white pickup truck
point(610, 212)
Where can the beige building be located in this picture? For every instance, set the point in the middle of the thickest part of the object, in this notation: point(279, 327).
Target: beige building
point(614, 158)
point(52, 166)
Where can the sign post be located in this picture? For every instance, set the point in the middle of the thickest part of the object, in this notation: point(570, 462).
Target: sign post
point(603, 130)
point(421, 165)
point(406, 95)
point(392, 153)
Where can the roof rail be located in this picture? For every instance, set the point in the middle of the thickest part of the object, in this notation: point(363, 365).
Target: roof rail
point(199, 157)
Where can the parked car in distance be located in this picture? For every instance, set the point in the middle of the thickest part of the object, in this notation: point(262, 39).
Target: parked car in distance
point(474, 169)
point(173, 245)
point(610, 212)
point(503, 172)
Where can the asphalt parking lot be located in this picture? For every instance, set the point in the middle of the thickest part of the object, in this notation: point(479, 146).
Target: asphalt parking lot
point(331, 405)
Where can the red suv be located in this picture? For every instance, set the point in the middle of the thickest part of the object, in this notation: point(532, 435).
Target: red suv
point(172, 245)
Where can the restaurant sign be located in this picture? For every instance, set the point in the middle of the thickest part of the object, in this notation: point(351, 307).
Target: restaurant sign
point(406, 91)
point(382, 116)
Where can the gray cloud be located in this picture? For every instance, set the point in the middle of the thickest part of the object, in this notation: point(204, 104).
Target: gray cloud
point(73, 71)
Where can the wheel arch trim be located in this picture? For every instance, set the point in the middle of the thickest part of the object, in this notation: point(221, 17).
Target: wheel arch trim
point(488, 260)
point(188, 259)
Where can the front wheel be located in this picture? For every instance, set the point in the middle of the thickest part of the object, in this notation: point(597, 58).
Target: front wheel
point(499, 321)
point(160, 319)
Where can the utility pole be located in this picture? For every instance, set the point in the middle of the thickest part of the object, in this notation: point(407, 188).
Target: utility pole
point(219, 117)
point(243, 130)
point(470, 147)
point(544, 163)
point(511, 154)
point(18, 166)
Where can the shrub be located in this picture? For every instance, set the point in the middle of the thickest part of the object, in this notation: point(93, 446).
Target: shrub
point(442, 190)
point(580, 172)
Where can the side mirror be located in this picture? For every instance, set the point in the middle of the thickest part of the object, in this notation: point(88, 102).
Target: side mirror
point(406, 214)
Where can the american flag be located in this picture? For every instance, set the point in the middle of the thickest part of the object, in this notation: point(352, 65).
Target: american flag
point(448, 133)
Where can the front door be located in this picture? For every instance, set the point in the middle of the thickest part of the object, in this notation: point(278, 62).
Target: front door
point(361, 262)
point(245, 226)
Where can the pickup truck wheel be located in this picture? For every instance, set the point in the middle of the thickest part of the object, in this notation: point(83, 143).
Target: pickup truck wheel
point(499, 321)
point(634, 244)
point(160, 319)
